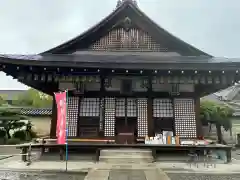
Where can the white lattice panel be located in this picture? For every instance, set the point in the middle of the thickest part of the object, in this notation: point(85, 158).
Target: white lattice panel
point(162, 108)
point(131, 107)
point(109, 117)
point(185, 122)
point(90, 107)
point(120, 107)
point(72, 116)
point(101, 118)
point(142, 117)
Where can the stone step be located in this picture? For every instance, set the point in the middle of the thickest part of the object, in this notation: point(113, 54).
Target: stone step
point(124, 159)
point(97, 174)
point(126, 152)
point(126, 155)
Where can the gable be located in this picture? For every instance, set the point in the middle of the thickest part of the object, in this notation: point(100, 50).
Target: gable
point(133, 39)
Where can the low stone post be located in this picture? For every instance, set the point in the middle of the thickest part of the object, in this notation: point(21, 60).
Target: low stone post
point(238, 139)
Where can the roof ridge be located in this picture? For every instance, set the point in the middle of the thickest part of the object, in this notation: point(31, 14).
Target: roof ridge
point(120, 2)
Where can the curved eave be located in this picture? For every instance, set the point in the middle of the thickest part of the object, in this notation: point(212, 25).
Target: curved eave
point(121, 61)
point(174, 41)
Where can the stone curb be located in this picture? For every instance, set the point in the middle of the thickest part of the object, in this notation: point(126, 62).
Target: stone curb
point(75, 171)
point(200, 172)
point(6, 157)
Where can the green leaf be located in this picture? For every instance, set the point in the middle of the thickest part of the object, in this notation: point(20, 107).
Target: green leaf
point(216, 113)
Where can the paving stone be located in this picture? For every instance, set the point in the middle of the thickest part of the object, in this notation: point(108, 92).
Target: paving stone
point(96, 174)
point(127, 175)
point(156, 174)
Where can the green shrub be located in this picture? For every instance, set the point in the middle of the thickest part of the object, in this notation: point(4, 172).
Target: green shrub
point(2, 133)
point(13, 141)
point(20, 134)
point(24, 135)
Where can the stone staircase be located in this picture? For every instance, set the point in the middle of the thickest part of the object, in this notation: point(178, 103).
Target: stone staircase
point(126, 156)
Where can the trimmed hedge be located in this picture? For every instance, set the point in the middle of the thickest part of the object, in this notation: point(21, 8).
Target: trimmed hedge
point(2, 133)
point(13, 141)
point(21, 134)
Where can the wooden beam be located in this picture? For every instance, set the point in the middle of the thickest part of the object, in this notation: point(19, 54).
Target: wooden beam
point(78, 118)
point(102, 105)
point(150, 108)
point(54, 88)
point(197, 117)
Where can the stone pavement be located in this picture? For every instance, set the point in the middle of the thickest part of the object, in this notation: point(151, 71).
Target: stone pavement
point(144, 171)
point(16, 163)
point(119, 174)
point(126, 172)
point(96, 171)
point(7, 151)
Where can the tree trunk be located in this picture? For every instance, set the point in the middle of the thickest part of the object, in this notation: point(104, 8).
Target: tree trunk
point(8, 134)
point(210, 128)
point(219, 133)
point(231, 132)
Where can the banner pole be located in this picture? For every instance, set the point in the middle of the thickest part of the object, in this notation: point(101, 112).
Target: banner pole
point(66, 130)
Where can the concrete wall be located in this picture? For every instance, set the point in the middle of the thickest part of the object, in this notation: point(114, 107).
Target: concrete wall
point(41, 125)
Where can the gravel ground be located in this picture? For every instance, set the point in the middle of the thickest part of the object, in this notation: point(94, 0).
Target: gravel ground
point(236, 154)
point(187, 176)
point(7, 175)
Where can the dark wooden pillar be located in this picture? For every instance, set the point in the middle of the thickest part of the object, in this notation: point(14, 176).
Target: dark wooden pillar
point(197, 116)
point(80, 94)
point(54, 119)
point(78, 118)
point(150, 108)
point(102, 105)
point(54, 112)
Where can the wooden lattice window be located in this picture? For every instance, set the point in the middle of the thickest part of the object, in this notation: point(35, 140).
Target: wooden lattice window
point(142, 117)
point(162, 108)
point(90, 107)
point(131, 107)
point(185, 123)
point(109, 128)
point(131, 40)
point(120, 107)
point(72, 116)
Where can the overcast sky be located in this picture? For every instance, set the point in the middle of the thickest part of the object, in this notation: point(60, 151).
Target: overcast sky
point(33, 26)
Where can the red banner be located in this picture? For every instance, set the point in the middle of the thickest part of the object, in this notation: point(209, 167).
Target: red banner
point(61, 117)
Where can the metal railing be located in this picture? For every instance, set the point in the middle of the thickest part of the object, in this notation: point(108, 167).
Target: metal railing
point(29, 154)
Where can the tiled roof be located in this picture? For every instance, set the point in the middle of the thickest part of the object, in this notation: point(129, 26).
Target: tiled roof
point(133, 60)
point(36, 111)
point(227, 97)
point(229, 94)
